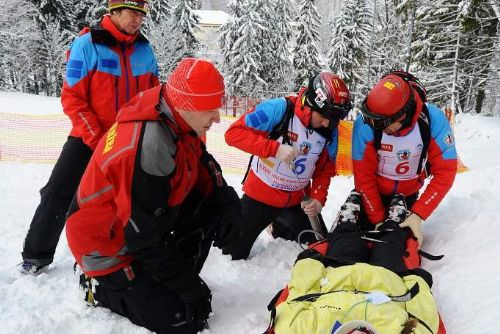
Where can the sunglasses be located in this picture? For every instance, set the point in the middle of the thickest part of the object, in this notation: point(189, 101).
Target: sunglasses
point(380, 122)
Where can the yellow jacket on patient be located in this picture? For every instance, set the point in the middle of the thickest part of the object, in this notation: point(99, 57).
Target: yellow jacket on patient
point(344, 297)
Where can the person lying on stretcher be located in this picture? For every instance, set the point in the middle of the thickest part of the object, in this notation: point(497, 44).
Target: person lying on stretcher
point(355, 285)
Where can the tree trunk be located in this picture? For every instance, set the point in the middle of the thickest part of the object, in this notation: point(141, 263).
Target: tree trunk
point(479, 100)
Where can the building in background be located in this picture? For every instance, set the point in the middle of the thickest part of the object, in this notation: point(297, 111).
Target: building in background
point(208, 35)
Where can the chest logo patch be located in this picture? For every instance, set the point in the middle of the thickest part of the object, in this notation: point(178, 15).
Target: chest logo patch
point(404, 155)
point(386, 147)
point(293, 136)
point(305, 147)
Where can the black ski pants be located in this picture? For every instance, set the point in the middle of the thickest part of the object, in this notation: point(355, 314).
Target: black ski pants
point(48, 222)
point(287, 223)
point(144, 299)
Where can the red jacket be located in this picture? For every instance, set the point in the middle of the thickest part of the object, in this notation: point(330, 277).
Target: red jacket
point(442, 159)
point(254, 140)
point(106, 68)
point(127, 204)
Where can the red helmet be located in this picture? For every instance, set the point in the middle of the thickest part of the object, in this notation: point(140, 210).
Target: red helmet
point(328, 95)
point(391, 98)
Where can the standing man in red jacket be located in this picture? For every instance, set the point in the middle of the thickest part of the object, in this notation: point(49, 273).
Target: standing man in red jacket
point(107, 66)
point(152, 201)
point(398, 140)
point(284, 164)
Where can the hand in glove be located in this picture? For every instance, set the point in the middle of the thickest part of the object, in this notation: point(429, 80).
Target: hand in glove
point(287, 153)
point(311, 207)
point(197, 300)
point(414, 222)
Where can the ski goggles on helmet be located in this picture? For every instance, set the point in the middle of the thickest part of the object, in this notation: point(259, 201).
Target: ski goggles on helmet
point(380, 122)
point(334, 112)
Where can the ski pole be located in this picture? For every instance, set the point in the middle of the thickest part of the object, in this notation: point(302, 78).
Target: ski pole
point(315, 220)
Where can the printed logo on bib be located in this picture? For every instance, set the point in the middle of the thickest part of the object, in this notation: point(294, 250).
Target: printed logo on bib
point(293, 136)
point(305, 147)
point(386, 147)
point(404, 155)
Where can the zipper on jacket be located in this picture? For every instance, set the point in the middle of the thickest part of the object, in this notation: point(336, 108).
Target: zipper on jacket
point(125, 65)
point(117, 102)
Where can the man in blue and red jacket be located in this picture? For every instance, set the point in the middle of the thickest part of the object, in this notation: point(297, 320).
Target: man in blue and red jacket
point(397, 141)
point(152, 201)
point(107, 66)
point(284, 164)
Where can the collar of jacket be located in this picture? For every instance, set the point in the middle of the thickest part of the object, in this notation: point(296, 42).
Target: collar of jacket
point(107, 33)
point(182, 126)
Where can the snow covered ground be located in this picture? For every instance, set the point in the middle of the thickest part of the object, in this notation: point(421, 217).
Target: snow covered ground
point(464, 228)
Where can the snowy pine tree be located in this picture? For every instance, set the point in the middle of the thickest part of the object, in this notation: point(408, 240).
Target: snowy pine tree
point(20, 36)
point(276, 55)
point(160, 11)
point(242, 49)
point(185, 22)
point(349, 47)
point(307, 58)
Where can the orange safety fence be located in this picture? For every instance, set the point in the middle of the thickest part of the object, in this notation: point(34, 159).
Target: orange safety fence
point(39, 138)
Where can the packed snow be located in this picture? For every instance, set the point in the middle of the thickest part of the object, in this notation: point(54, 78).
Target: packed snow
point(463, 228)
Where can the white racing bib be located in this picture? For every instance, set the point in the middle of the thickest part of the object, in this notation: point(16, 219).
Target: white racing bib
point(398, 157)
point(278, 174)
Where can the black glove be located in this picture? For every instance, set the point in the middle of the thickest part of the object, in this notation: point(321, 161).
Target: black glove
point(228, 229)
point(225, 203)
point(197, 301)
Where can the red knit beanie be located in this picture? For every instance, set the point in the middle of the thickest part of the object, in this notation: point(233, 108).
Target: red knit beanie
point(195, 85)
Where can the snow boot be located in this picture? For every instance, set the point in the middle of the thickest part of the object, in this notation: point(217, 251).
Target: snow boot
point(349, 211)
point(30, 268)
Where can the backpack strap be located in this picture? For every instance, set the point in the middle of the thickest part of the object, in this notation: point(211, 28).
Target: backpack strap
point(279, 130)
point(425, 132)
point(377, 138)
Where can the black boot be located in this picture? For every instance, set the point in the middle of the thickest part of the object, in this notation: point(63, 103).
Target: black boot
point(349, 211)
point(389, 252)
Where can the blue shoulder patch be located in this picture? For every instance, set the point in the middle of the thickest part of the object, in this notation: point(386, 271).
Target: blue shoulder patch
point(82, 59)
point(441, 132)
point(109, 60)
point(361, 135)
point(266, 114)
point(111, 63)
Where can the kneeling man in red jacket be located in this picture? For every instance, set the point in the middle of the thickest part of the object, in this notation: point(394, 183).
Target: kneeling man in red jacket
point(151, 203)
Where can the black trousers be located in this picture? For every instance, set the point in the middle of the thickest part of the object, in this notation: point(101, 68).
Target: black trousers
point(287, 224)
point(347, 247)
point(145, 300)
point(48, 222)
